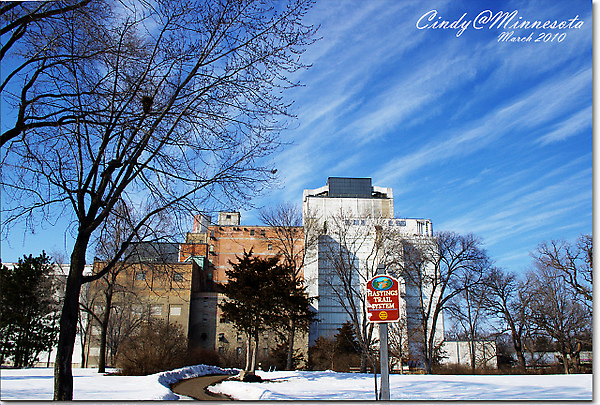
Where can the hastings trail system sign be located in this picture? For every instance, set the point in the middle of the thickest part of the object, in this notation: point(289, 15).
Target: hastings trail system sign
point(383, 299)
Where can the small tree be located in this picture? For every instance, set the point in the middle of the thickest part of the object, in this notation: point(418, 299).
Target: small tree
point(468, 311)
point(556, 311)
point(250, 290)
point(506, 300)
point(29, 307)
point(292, 241)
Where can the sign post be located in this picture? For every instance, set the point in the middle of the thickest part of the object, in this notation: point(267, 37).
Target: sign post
point(383, 306)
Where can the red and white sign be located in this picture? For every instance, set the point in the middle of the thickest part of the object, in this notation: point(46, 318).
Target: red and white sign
point(383, 299)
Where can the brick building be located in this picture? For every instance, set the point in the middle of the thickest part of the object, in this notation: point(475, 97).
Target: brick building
point(179, 286)
point(139, 290)
point(224, 242)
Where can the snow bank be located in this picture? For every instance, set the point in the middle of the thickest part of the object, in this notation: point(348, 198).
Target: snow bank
point(88, 384)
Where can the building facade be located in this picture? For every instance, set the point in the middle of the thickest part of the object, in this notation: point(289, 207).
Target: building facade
point(359, 233)
point(137, 291)
point(225, 241)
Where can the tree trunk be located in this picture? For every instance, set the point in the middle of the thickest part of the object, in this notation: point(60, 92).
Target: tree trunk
point(565, 357)
point(104, 331)
point(248, 352)
point(363, 361)
point(254, 353)
point(63, 374)
point(290, 354)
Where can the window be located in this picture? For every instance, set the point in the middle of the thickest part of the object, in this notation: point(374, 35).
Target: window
point(228, 216)
point(262, 232)
point(239, 337)
point(156, 310)
point(400, 223)
point(204, 318)
point(177, 276)
point(270, 247)
point(137, 309)
point(175, 310)
point(222, 337)
point(140, 275)
point(356, 222)
point(251, 232)
point(238, 351)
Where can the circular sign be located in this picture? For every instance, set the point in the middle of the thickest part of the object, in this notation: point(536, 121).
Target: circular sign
point(382, 283)
point(383, 315)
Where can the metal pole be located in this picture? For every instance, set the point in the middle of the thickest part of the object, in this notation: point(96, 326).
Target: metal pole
point(383, 353)
point(385, 367)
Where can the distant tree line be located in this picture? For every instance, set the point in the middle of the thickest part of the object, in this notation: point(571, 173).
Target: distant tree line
point(547, 309)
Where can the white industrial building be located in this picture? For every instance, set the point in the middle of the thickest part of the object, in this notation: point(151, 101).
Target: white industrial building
point(357, 225)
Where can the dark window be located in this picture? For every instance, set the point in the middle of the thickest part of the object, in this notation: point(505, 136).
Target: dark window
point(140, 275)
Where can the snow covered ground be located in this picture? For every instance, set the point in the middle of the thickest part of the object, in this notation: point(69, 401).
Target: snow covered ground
point(328, 385)
point(37, 384)
point(88, 385)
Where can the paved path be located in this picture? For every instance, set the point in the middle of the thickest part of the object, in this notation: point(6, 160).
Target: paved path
point(196, 388)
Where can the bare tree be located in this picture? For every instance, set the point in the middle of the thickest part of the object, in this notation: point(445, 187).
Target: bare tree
point(573, 263)
point(28, 31)
point(556, 310)
point(114, 232)
point(433, 272)
point(507, 300)
point(398, 340)
point(291, 240)
point(352, 248)
point(173, 104)
point(467, 308)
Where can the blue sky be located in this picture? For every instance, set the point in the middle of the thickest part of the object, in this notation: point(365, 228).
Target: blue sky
point(477, 134)
point(481, 136)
